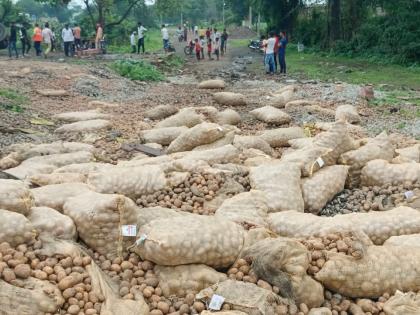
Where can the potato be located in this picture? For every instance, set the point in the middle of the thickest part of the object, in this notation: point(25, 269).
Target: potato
point(22, 271)
point(70, 281)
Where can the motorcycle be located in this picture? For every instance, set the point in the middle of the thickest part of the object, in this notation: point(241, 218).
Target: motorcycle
point(256, 45)
point(188, 50)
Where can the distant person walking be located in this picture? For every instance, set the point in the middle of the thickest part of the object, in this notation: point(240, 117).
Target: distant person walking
point(77, 32)
point(133, 42)
point(68, 39)
point(37, 38)
point(196, 31)
point(217, 48)
point(282, 52)
point(47, 37)
point(223, 43)
point(209, 48)
point(165, 37)
point(12, 40)
point(24, 40)
point(140, 31)
point(269, 54)
point(99, 36)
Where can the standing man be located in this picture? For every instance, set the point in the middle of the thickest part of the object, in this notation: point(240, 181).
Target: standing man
point(282, 52)
point(165, 37)
point(47, 37)
point(224, 38)
point(99, 36)
point(37, 38)
point(185, 32)
point(26, 43)
point(68, 39)
point(140, 31)
point(269, 54)
point(196, 31)
point(77, 32)
point(12, 40)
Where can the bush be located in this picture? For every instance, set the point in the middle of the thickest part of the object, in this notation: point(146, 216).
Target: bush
point(137, 70)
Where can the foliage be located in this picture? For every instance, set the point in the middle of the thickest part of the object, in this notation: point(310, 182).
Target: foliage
point(12, 100)
point(137, 70)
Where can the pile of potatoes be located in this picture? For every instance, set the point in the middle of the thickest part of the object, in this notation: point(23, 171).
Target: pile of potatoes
point(366, 199)
point(69, 274)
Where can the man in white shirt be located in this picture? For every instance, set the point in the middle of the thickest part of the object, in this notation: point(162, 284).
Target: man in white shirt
point(133, 42)
point(47, 36)
point(165, 37)
point(140, 31)
point(68, 39)
point(269, 54)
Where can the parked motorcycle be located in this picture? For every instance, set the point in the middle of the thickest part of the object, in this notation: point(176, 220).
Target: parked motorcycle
point(256, 45)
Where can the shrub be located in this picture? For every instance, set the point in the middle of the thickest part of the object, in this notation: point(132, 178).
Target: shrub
point(137, 70)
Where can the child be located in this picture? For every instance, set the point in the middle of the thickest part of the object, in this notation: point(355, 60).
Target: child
point(133, 42)
point(217, 47)
point(209, 48)
point(197, 49)
point(202, 44)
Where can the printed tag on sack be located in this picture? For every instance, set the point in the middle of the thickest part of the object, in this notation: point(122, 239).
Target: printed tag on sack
point(129, 230)
point(216, 302)
point(320, 162)
point(409, 194)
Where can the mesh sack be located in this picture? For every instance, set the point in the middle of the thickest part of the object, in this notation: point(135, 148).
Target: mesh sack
point(229, 99)
point(403, 304)
point(181, 280)
point(280, 137)
point(81, 116)
point(323, 186)
point(56, 178)
point(85, 126)
point(228, 117)
point(381, 172)
point(412, 240)
point(378, 226)
point(300, 143)
point(62, 159)
point(280, 183)
point(283, 263)
point(146, 215)
point(24, 170)
point(271, 115)
point(310, 159)
point(48, 221)
point(409, 154)
point(15, 228)
point(200, 134)
point(195, 240)
point(163, 136)
point(227, 139)
point(347, 113)
point(15, 196)
point(161, 112)
point(300, 103)
point(252, 142)
point(225, 154)
point(54, 196)
point(212, 84)
point(382, 269)
point(83, 168)
point(99, 218)
point(9, 161)
point(185, 117)
point(248, 207)
point(280, 100)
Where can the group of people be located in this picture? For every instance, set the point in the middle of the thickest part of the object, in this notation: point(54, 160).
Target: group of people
point(44, 39)
point(275, 52)
point(215, 41)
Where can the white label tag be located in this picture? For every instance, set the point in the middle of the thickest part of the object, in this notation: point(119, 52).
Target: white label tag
point(216, 302)
point(128, 230)
point(320, 162)
point(409, 194)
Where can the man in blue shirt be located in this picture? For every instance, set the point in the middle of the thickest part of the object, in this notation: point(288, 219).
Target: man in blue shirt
point(282, 52)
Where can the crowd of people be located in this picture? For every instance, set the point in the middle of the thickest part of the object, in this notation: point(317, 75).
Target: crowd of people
point(275, 52)
point(44, 39)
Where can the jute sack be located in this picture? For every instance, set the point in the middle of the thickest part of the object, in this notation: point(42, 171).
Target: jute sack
point(271, 115)
point(161, 112)
point(229, 98)
point(280, 137)
point(200, 134)
point(300, 103)
point(310, 159)
point(244, 296)
point(99, 219)
point(57, 178)
point(163, 136)
point(196, 240)
point(36, 297)
point(81, 116)
point(228, 117)
point(248, 207)
point(347, 113)
point(226, 140)
point(181, 280)
point(380, 270)
point(280, 182)
point(280, 100)
point(15, 228)
point(283, 262)
point(9, 161)
point(15, 196)
point(85, 126)
point(128, 181)
point(379, 226)
point(212, 84)
point(48, 221)
point(83, 168)
point(403, 304)
point(323, 186)
point(300, 143)
point(252, 142)
point(54, 196)
point(409, 154)
point(185, 117)
point(381, 172)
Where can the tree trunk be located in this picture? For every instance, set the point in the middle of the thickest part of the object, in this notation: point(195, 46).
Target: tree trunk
point(334, 9)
